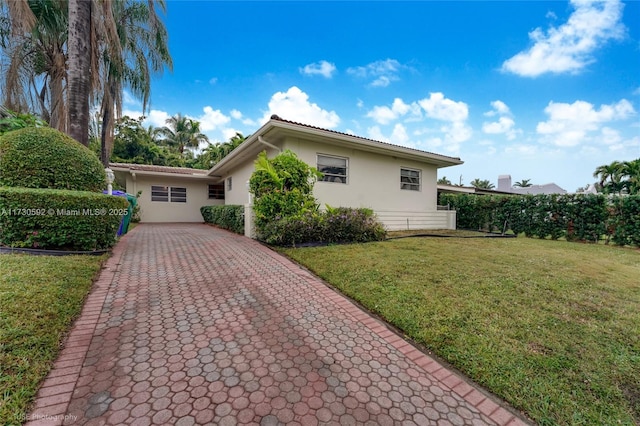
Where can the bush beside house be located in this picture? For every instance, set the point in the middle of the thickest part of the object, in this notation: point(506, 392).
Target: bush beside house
point(230, 217)
point(59, 219)
point(50, 193)
point(46, 158)
point(286, 213)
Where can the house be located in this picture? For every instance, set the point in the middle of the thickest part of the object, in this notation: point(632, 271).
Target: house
point(504, 184)
point(398, 183)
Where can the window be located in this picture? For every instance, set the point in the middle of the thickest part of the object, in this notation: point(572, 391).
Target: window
point(410, 179)
point(178, 195)
point(333, 168)
point(216, 191)
point(166, 193)
point(160, 193)
point(229, 183)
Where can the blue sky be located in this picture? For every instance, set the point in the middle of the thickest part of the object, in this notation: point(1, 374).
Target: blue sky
point(539, 90)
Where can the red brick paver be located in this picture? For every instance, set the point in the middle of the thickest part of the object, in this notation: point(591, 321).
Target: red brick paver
point(188, 324)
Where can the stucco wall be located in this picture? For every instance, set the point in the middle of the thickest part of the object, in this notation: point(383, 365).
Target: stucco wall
point(239, 193)
point(159, 211)
point(373, 180)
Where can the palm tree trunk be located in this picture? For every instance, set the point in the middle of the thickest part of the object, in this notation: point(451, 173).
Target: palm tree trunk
point(79, 42)
point(106, 136)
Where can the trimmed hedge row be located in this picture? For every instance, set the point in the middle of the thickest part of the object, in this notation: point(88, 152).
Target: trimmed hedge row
point(335, 225)
point(59, 219)
point(229, 217)
point(574, 216)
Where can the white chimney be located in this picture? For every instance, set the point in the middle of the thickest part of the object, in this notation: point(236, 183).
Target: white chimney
point(504, 183)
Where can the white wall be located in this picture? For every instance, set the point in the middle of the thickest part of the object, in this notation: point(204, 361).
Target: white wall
point(159, 211)
point(373, 180)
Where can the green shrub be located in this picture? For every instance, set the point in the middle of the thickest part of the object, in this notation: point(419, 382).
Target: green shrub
point(573, 216)
point(625, 220)
point(59, 219)
point(335, 225)
point(229, 217)
point(11, 120)
point(282, 187)
point(46, 158)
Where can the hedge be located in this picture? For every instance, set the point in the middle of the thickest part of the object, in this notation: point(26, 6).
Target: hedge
point(335, 225)
point(46, 158)
point(573, 216)
point(229, 217)
point(59, 219)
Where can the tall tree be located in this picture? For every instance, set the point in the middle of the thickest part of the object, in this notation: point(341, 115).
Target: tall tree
point(444, 181)
point(143, 51)
point(79, 73)
point(182, 132)
point(610, 176)
point(34, 72)
point(630, 172)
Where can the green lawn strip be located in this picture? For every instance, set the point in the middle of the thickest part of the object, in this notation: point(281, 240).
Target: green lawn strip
point(552, 327)
point(40, 296)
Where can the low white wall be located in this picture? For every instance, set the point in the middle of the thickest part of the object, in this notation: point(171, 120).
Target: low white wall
point(399, 220)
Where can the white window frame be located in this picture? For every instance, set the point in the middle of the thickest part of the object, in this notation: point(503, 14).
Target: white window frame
point(331, 177)
point(406, 184)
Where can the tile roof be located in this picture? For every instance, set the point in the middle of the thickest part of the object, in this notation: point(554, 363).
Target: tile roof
point(278, 118)
point(159, 169)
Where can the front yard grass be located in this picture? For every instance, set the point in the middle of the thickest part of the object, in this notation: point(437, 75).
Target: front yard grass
point(39, 298)
point(552, 327)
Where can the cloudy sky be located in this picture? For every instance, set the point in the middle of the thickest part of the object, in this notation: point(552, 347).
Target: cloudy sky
point(539, 90)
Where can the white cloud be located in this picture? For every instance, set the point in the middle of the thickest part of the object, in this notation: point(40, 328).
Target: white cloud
point(323, 68)
point(570, 124)
point(499, 108)
point(636, 92)
point(154, 118)
point(399, 135)
point(505, 124)
point(385, 115)
point(212, 119)
point(570, 47)
point(294, 105)
point(376, 134)
point(610, 136)
point(128, 99)
point(213, 80)
point(441, 108)
point(237, 115)
point(382, 73)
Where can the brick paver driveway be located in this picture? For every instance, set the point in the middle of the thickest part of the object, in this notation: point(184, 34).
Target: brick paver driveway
point(193, 325)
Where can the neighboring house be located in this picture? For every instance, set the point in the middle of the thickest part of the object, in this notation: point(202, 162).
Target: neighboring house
point(504, 184)
point(398, 183)
point(458, 189)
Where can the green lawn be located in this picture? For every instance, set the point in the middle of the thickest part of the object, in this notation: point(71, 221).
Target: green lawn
point(552, 327)
point(39, 298)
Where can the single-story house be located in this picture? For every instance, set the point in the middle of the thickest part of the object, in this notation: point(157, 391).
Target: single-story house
point(397, 182)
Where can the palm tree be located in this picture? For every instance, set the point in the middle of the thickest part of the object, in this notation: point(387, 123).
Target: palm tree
point(610, 177)
point(182, 132)
point(79, 73)
point(143, 51)
point(34, 75)
point(444, 181)
point(481, 184)
point(630, 171)
point(524, 183)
